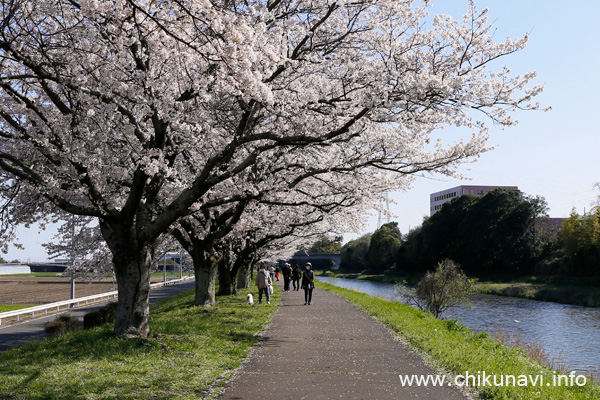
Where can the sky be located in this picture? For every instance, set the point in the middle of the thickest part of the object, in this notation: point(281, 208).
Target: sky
point(552, 154)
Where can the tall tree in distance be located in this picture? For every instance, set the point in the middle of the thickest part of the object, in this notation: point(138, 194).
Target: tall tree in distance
point(327, 245)
point(581, 242)
point(354, 254)
point(384, 245)
point(493, 234)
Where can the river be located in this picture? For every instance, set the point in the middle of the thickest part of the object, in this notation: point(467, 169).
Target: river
point(565, 332)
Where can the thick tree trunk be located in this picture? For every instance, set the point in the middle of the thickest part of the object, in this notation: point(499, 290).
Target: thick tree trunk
point(244, 277)
point(206, 275)
point(134, 291)
point(227, 280)
point(132, 263)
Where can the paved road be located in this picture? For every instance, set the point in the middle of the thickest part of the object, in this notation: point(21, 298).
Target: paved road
point(329, 350)
point(19, 334)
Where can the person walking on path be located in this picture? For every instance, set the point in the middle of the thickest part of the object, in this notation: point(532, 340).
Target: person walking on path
point(263, 281)
point(308, 283)
point(287, 276)
point(277, 270)
point(296, 275)
point(272, 272)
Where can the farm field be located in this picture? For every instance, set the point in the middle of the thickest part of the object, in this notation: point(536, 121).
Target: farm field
point(36, 290)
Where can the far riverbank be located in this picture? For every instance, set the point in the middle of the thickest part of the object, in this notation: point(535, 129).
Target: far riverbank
point(554, 289)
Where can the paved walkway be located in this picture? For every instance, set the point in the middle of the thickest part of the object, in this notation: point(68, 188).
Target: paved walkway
point(19, 334)
point(329, 350)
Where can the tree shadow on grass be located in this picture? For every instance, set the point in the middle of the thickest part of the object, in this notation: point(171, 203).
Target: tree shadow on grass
point(26, 365)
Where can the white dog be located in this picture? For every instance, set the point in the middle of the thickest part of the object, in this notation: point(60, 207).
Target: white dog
point(249, 299)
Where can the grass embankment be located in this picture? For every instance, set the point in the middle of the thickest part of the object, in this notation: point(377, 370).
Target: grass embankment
point(456, 349)
point(566, 292)
point(189, 353)
point(388, 276)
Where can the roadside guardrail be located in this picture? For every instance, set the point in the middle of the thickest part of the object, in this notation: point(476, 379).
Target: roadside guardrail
point(43, 310)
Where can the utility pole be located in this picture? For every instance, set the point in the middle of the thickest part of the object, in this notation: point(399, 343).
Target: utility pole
point(387, 207)
point(72, 257)
point(165, 267)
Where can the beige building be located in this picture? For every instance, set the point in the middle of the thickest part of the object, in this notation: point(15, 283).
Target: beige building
point(438, 198)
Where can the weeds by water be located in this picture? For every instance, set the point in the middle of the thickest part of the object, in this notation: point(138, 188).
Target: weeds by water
point(533, 350)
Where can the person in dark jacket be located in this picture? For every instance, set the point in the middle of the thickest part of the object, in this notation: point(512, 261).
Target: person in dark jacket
point(287, 276)
point(308, 283)
point(296, 275)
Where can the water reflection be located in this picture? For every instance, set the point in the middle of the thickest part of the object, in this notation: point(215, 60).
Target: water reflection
point(564, 331)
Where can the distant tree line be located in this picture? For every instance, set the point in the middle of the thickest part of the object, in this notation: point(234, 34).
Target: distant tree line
point(374, 252)
point(502, 233)
point(327, 245)
point(581, 243)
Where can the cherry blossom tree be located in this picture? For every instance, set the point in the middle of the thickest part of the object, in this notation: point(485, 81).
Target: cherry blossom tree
point(141, 113)
point(78, 239)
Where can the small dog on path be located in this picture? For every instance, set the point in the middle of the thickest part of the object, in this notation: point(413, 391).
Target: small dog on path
point(249, 299)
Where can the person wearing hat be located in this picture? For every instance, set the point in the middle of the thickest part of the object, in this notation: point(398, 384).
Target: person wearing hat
point(308, 284)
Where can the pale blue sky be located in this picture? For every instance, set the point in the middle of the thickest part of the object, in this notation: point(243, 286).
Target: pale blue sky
point(551, 154)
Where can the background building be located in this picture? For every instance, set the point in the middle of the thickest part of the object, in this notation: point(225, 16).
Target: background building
point(438, 198)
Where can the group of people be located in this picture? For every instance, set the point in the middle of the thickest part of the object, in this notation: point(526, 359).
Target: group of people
point(305, 280)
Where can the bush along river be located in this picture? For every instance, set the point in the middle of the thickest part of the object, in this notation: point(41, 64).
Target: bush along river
point(568, 333)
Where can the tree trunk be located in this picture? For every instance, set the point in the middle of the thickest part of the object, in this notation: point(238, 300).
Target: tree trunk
point(206, 275)
point(227, 275)
point(132, 261)
point(244, 277)
point(227, 282)
point(134, 290)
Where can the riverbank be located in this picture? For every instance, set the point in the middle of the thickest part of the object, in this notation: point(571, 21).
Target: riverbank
point(190, 353)
point(457, 350)
point(576, 292)
point(387, 277)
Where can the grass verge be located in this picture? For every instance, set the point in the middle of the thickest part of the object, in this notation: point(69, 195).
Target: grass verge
point(189, 354)
point(12, 308)
point(456, 349)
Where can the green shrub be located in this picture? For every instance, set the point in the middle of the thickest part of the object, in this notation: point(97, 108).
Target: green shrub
point(102, 316)
point(441, 289)
point(62, 324)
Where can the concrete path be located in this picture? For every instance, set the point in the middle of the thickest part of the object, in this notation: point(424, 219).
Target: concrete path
point(21, 333)
point(329, 350)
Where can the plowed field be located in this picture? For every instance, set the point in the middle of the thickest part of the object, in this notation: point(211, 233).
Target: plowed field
point(32, 290)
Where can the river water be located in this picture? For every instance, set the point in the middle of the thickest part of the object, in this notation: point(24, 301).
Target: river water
point(565, 332)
